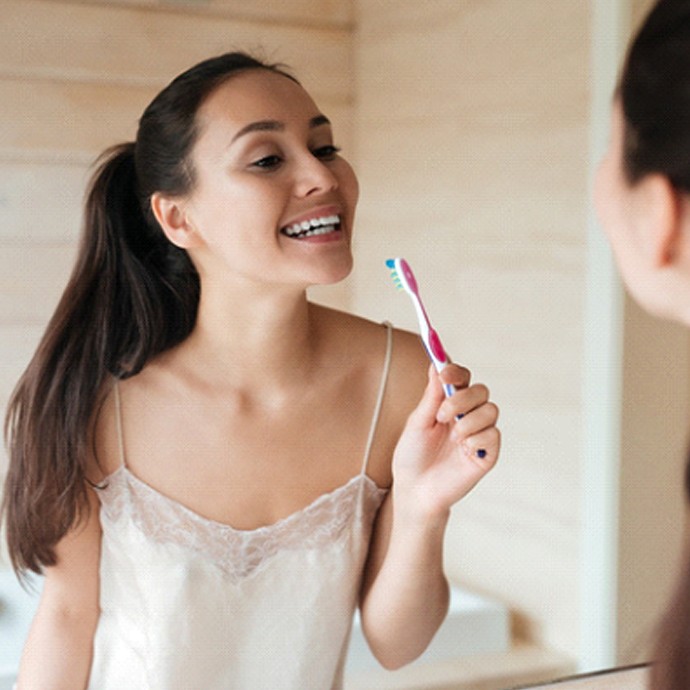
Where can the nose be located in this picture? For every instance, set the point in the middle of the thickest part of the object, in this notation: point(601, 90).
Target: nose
point(314, 176)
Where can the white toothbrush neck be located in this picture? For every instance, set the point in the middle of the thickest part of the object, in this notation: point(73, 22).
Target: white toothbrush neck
point(424, 324)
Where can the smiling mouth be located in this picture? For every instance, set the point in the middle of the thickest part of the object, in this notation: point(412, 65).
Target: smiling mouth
point(313, 227)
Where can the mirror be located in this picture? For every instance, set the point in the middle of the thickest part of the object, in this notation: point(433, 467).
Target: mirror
point(474, 128)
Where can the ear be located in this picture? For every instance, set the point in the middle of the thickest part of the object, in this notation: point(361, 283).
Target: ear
point(171, 214)
point(663, 208)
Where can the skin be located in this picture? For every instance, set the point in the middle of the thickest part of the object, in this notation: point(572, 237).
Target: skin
point(273, 396)
point(648, 226)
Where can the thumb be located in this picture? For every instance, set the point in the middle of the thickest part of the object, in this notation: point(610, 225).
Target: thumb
point(424, 415)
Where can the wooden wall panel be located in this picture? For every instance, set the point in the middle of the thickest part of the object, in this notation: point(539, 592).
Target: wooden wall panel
point(308, 13)
point(31, 281)
point(17, 344)
point(52, 191)
point(133, 45)
point(66, 120)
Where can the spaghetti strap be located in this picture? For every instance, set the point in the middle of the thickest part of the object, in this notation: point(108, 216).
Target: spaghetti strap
point(118, 424)
point(379, 399)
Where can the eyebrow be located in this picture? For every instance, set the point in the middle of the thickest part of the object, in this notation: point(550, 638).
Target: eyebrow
point(276, 126)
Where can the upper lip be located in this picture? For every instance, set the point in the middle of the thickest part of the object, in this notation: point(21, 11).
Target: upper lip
point(319, 212)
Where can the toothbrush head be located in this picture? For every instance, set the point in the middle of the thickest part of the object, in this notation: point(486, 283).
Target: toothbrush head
point(402, 275)
point(404, 279)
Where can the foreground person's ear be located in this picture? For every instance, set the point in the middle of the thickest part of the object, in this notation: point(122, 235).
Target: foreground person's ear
point(663, 218)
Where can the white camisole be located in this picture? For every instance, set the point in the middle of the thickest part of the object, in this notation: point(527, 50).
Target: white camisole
point(192, 604)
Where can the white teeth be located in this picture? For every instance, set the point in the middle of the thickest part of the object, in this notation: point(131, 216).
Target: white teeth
point(315, 226)
point(323, 230)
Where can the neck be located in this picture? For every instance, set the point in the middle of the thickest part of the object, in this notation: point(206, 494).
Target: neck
point(253, 342)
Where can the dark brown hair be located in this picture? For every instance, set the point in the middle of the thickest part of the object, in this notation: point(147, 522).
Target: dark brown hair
point(132, 295)
point(654, 93)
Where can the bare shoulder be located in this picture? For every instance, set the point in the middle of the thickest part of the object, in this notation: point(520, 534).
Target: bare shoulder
point(407, 379)
point(405, 384)
point(120, 404)
point(409, 369)
point(363, 337)
point(355, 329)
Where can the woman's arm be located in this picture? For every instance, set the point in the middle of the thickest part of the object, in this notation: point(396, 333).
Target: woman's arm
point(405, 593)
point(58, 650)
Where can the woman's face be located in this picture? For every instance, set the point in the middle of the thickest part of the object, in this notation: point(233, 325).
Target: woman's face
point(273, 202)
point(618, 205)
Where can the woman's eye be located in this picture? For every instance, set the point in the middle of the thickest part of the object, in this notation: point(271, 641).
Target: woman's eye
point(326, 153)
point(268, 162)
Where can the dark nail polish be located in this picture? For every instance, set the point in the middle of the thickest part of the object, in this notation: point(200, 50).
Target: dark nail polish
point(481, 453)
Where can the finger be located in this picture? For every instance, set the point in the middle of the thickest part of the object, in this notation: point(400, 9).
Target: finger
point(462, 402)
point(482, 417)
point(455, 375)
point(483, 448)
point(425, 412)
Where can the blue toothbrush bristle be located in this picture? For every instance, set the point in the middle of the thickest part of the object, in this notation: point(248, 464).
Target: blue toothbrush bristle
point(394, 274)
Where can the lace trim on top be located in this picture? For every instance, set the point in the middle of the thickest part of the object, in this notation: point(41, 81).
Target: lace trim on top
point(239, 553)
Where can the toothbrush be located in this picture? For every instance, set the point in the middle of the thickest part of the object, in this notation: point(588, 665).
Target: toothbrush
point(404, 280)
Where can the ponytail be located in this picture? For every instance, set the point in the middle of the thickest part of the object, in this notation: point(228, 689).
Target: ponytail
point(131, 295)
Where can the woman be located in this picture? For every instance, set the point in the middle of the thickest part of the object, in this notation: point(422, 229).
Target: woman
point(643, 201)
point(211, 471)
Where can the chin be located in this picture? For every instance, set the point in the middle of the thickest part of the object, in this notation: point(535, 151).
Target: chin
point(335, 272)
point(676, 314)
point(656, 307)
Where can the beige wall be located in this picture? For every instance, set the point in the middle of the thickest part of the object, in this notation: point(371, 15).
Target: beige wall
point(468, 123)
point(654, 440)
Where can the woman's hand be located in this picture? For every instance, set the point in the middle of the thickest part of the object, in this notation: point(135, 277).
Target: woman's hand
point(447, 446)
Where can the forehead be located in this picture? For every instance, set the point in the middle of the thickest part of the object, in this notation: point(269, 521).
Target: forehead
point(253, 96)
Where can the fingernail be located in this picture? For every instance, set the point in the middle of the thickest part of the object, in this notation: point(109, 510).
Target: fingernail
point(442, 417)
point(458, 417)
point(481, 453)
